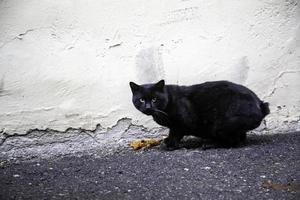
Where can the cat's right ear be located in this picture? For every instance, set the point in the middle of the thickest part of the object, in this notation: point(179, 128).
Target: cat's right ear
point(134, 87)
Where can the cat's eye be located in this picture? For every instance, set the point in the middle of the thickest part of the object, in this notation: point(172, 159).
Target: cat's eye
point(154, 100)
point(142, 100)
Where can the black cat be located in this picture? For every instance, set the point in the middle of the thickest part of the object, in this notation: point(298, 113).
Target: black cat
point(220, 111)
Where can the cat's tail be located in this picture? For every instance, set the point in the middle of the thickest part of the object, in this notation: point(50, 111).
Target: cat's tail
point(264, 106)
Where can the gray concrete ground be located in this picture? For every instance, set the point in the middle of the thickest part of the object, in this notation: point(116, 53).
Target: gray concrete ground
point(267, 167)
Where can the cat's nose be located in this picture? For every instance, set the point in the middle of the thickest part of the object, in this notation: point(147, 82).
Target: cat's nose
point(148, 106)
point(148, 109)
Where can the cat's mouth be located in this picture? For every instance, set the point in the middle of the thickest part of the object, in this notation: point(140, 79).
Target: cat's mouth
point(148, 112)
point(155, 111)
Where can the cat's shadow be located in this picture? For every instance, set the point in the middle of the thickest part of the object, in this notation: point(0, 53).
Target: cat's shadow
point(191, 142)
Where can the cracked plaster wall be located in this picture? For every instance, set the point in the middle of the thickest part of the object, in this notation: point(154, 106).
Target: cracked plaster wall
point(68, 63)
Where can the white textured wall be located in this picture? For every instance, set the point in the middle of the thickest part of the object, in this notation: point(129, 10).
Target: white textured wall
point(68, 63)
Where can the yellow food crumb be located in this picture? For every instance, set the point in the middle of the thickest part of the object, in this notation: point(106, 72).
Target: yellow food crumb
point(144, 143)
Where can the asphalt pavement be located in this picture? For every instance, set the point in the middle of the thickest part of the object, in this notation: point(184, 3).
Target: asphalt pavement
point(267, 167)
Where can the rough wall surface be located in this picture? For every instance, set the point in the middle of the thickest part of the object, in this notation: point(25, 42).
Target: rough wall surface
point(68, 63)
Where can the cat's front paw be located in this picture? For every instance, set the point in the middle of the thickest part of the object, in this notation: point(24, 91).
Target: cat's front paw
point(168, 145)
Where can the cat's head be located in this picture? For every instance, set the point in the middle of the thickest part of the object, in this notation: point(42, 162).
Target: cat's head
point(149, 97)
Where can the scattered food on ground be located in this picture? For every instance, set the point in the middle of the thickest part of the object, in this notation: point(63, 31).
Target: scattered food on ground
point(144, 143)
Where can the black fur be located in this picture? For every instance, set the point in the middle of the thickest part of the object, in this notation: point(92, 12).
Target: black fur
point(220, 111)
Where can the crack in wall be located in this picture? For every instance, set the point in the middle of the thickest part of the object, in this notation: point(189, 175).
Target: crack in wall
point(20, 36)
point(276, 79)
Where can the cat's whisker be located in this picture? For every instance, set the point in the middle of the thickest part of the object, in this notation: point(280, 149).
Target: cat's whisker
point(162, 112)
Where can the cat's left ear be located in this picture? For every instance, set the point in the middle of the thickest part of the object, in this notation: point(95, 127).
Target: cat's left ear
point(134, 87)
point(160, 85)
